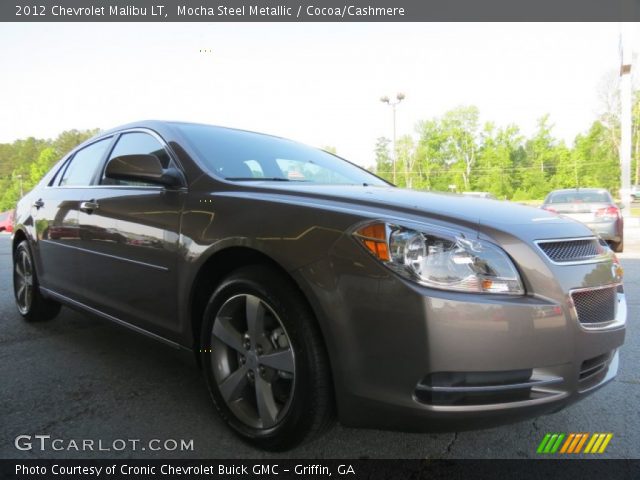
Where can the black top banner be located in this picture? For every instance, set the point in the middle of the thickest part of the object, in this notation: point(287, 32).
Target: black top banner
point(317, 10)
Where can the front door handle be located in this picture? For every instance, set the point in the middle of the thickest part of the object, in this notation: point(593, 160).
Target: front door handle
point(89, 207)
point(38, 204)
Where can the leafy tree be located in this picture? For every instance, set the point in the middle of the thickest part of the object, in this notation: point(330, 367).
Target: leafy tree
point(498, 153)
point(406, 161)
point(383, 157)
point(596, 159)
point(453, 153)
point(70, 139)
point(430, 155)
point(24, 162)
point(460, 128)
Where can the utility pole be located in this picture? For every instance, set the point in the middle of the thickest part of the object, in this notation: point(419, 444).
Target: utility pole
point(625, 118)
point(393, 104)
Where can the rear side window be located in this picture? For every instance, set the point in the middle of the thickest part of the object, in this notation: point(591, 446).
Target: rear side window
point(84, 164)
point(137, 143)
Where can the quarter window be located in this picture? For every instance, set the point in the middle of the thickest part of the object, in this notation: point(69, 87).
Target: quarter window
point(84, 164)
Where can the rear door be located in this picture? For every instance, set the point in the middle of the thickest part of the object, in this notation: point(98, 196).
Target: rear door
point(129, 232)
point(55, 212)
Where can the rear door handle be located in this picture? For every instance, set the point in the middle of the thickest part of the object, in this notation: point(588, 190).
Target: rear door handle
point(38, 204)
point(89, 207)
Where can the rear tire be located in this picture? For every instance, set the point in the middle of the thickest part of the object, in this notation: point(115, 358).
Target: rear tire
point(31, 304)
point(264, 360)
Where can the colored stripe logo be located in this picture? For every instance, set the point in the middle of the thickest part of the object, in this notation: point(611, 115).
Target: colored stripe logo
point(574, 443)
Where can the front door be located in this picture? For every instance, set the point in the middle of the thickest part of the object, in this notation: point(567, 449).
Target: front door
point(129, 232)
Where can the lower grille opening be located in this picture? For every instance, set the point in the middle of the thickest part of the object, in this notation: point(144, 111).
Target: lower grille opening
point(594, 365)
point(481, 388)
point(597, 305)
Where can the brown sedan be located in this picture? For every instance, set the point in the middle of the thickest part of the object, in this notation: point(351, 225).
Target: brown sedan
point(307, 286)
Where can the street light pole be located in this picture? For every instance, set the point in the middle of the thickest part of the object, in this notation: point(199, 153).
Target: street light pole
point(393, 104)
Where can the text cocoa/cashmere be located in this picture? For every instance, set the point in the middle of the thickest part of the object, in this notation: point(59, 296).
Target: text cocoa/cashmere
point(173, 470)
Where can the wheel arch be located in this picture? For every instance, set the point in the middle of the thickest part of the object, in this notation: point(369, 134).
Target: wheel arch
point(18, 237)
point(216, 268)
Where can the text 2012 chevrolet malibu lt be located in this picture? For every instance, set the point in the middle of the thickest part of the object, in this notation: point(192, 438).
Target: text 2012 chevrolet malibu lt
point(307, 285)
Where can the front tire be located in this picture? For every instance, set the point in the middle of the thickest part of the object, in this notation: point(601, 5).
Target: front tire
point(264, 360)
point(31, 304)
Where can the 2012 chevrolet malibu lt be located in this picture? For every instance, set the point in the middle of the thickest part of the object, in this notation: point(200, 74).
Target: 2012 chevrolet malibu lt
point(308, 286)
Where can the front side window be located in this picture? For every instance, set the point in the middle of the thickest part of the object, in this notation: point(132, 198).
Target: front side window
point(242, 156)
point(84, 164)
point(137, 143)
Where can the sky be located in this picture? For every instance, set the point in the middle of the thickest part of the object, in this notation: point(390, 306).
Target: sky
point(316, 83)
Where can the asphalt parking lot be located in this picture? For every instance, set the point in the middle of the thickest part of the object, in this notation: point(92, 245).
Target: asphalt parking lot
point(79, 377)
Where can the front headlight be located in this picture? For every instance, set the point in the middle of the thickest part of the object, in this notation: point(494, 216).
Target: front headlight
point(440, 259)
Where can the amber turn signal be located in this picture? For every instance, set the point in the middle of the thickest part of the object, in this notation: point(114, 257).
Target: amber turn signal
point(374, 238)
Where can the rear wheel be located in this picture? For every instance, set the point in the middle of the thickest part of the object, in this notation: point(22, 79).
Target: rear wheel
point(30, 302)
point(264, 360)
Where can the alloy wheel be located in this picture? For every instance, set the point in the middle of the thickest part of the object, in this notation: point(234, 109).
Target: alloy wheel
point(253, 361)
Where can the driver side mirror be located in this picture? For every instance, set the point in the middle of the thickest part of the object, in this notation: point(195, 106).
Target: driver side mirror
point(143, 168)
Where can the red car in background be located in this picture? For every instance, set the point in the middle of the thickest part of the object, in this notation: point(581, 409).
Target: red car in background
point(6, 221)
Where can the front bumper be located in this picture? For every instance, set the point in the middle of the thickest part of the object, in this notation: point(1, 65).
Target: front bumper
point(395, 345)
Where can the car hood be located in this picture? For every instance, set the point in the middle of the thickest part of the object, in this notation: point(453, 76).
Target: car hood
point(482, 214)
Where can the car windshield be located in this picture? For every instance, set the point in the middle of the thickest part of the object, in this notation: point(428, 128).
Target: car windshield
point(245, 156)
point(579, 197)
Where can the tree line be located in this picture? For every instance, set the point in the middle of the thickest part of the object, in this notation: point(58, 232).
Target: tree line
point(24, 162)
point(454, 152)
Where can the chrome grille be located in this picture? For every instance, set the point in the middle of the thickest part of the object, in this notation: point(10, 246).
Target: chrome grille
point(595, 305)
point(563, 251)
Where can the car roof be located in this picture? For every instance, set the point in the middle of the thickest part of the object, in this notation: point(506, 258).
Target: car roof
point(161, 125)
point(166, 128)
